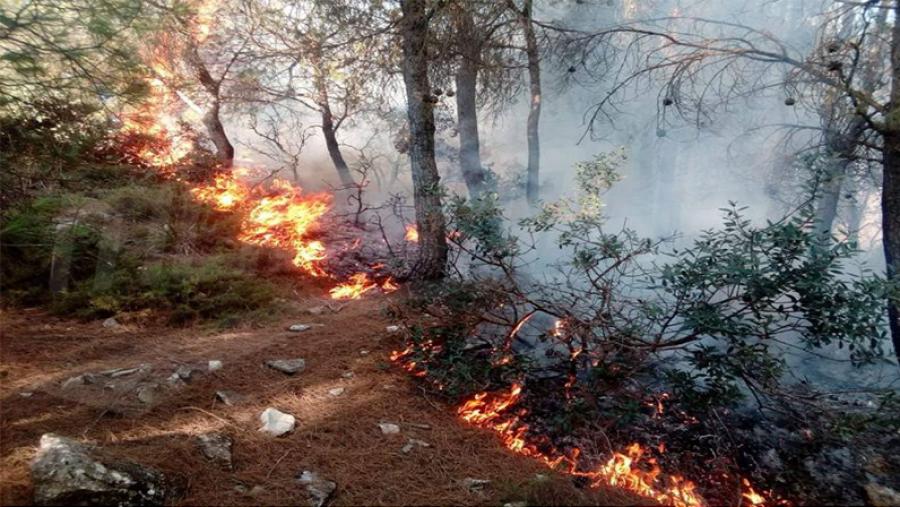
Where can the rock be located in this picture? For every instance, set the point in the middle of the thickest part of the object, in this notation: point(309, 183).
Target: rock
point(79, 380)
point(184, 372)
point(337, 391)
point(318, 490)
point(175, 381)
point(26, 394)
point(216, 447)
point(288, 366)
point(65, 472)
point(148, 393)
point(412, 443)
point(881, 496)
point(392, 329)
point(230, 398)
point(299, 328)
point(111, 323)
point(474, 485)
point(364, 352)
point(520, 503)
point(122, 372)
point(389, 428)
point(276, 422)
point(347, 375)
point(214, 365)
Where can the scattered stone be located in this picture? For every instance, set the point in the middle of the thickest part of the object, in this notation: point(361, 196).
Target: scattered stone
point(26, 394)
point(412, 443)
point(475, 485)
point(65, 472)
point(214, 364)
point(216, 447)
point(122, 372)
point(337, 391)
point(230, 398)
point(184, 372)
point(421, 426)
point(287, 366)
point(364, 352)
point(520, 503)
point(318, 490)
point(389, 428)
point(111, 323)
point(276, 422)
point(148, 393)
point(299, 328)
point(347, 375)
point(175, 381)
point(79, 380)
point(881, 496)
point(392, 329)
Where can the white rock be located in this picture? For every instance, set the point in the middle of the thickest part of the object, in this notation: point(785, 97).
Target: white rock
point(299, 328)
point(389, 428)
point(337, 391)
point(392, 329)
point(276, 422)
point(111, 323)
point(364, 352)
point(412, 443)
point(347, 375)
point(26, 394)
point(214, 364)
point(318, 490)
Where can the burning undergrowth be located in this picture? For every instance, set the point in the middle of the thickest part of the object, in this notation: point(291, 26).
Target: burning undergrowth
point(667, 379)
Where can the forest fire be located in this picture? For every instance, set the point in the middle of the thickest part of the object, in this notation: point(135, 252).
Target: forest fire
point(412, 234)
point(359, 284)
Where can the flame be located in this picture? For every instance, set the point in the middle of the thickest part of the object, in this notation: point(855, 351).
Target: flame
point(752, 497)
point(412, 234)
point(625, 470)
point(358, 285)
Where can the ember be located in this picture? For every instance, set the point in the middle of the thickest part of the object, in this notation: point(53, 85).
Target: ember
point(412, 234)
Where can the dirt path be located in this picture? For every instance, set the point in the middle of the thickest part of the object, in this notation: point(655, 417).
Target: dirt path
point(336, 436)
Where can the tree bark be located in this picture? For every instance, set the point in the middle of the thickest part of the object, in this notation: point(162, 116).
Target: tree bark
point(890, 190)
point(532, 189)
point(466, 105)
point(212, 119)
point(329, 129)
point(432, 261)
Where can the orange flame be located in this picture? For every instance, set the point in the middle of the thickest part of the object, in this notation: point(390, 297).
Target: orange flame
point(752, 497)
point(358, 285)
point(412, 234)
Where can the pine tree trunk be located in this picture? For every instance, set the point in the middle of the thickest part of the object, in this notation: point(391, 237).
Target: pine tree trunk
point(532, 189)
point(466, 105)
point(432, 261)
point(212, 119)
point(329, 129)
point(890, 190)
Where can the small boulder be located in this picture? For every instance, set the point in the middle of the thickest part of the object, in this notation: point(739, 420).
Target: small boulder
point(475, 485)
point(412, 443)
point(216, 447)
point(392, 329)
point(337, 391)
point(287, 366)
point(389, 428)
point(276, 422)
point(111, 323)
point(214, 364)
point(299, 328)
point(65, 472)
point(230, 398)
point(318, 490)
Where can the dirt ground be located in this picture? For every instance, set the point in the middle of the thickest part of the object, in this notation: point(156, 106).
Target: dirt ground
point(336, 436)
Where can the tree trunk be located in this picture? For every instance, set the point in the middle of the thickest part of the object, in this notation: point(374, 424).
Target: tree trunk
point(329, 129)
point(532, 189)
point(212, 119)
point(828, 194)
point(432, 261)
point(466, 106)
point(890, 190)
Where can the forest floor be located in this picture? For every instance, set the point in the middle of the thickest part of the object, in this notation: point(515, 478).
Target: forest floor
point(338, 437)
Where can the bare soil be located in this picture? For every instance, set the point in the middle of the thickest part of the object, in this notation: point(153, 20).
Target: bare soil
point(338, 437)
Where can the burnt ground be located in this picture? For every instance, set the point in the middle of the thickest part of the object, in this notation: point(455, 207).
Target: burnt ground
point(337, 437)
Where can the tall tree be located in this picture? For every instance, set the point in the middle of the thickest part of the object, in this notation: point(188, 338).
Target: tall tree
point(469, 43)
point(532, 186)
point(414, 29)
